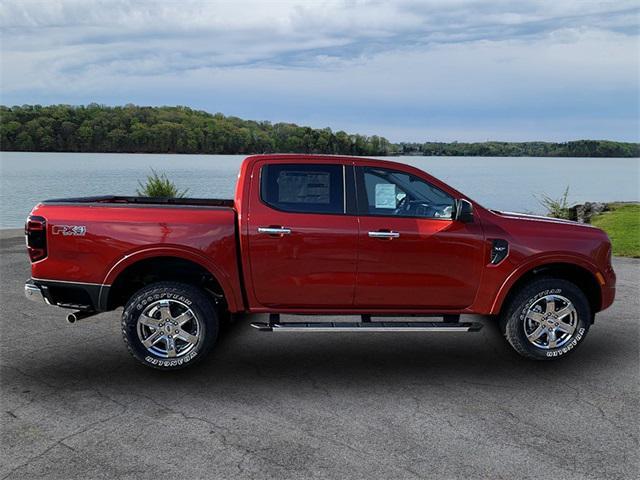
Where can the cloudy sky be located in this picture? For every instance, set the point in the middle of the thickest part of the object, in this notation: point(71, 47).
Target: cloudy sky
point(408, 70)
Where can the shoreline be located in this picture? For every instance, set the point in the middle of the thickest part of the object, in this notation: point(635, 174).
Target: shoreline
point(11, 233)
point(389, 155)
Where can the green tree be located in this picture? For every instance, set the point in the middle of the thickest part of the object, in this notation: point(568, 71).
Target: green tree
point(131, 128)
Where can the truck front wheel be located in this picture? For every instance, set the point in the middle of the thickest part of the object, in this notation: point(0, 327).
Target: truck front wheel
point(547, 319)
point(169, 325)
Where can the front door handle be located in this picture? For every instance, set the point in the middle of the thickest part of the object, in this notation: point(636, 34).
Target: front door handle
point(274, 230)
point(388, 235)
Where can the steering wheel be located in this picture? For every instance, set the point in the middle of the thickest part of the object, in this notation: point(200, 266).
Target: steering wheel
point(402, 204)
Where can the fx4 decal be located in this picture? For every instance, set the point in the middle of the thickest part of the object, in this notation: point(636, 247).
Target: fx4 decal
point(66, 230)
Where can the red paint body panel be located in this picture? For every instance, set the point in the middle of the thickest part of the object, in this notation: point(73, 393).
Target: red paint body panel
point(118, 236)
point(433, 264)
point(328, 263)
point(537, 241)
point(314, 267)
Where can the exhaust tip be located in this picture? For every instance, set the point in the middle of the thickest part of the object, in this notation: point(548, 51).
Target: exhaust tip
point(73, 317)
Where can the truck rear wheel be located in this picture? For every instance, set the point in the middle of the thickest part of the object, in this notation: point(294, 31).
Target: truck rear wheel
point(169, 325)
point(547, 319)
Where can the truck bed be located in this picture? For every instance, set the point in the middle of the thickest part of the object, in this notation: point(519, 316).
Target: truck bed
point(90, 241)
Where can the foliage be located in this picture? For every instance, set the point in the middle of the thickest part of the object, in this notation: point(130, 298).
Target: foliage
point(578, 148)
point(159, 186)
point(622, 224)
point(556, 208)
point(135, 129)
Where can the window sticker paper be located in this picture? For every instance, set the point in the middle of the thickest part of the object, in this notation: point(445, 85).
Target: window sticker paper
point(385, 195)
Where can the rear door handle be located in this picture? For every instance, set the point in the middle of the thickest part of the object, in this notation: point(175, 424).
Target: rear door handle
point(384, 235)
point(274, 230)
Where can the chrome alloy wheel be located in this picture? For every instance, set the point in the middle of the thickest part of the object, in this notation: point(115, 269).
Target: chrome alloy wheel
point(550, 321)
point(169, 328)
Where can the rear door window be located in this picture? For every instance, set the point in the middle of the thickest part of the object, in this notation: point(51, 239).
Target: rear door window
point(303, 188)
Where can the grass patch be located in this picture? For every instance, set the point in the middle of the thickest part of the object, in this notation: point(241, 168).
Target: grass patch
point(622, 224)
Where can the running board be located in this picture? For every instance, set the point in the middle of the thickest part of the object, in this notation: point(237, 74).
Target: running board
point(368, 327)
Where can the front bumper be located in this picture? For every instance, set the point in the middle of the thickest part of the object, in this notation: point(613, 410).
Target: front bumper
point(608, 296)
point(608, 287)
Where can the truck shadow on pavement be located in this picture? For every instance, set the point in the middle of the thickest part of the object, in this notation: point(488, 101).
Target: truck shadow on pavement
point(247, 360)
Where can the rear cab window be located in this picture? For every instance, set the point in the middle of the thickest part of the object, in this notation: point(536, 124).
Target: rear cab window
point(304, 188)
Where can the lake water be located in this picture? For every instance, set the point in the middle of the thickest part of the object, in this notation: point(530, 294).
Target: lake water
point(502, 183)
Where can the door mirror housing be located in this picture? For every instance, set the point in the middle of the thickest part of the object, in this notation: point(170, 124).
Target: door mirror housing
point(464, 211)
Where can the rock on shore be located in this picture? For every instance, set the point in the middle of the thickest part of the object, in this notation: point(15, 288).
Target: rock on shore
point(583, 212)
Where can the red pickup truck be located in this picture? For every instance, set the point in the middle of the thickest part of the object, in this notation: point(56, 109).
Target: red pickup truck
point(326, 235)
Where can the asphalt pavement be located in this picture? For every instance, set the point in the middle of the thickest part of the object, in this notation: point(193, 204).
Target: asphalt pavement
point(75, 405)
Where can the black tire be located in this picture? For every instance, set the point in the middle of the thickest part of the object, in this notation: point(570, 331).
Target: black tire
point(179, 298)
point(514, 319)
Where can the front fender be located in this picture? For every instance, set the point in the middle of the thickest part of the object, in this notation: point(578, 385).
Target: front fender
point(538, 261)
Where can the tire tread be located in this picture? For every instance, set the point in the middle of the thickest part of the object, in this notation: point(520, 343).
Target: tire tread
point(510, 321)
point(198, 296)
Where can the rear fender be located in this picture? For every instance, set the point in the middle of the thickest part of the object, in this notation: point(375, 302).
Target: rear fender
point(232, 297)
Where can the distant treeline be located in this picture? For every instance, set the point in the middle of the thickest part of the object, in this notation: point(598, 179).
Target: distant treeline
point(97, 128)
point(578, 148)
point(134, 129)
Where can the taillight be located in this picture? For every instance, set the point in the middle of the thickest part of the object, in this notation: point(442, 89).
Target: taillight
point(35, 231)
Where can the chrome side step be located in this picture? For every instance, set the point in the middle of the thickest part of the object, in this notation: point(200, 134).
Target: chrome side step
point(368, 326)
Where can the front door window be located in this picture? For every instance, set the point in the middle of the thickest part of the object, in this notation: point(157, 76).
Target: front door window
point(399, 194)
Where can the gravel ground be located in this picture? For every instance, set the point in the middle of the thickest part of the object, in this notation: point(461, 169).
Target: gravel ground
point(357, 406)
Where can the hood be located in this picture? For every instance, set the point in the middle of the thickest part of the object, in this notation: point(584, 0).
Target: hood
point(540, 218)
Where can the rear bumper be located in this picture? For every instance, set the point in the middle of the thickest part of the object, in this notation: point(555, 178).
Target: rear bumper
point(75, 295)
point(34, 293)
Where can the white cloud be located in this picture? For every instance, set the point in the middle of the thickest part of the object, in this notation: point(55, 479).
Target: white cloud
point(329, 62)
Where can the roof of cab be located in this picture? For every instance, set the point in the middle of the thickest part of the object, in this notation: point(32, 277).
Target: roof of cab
point(312, 157)
point(368, 161)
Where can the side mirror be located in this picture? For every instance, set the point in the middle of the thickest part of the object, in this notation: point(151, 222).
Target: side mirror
point(464, 211)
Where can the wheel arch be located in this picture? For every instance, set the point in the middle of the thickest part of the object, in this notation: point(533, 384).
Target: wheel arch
point(164, 264)
point(581, 274)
